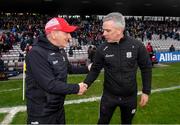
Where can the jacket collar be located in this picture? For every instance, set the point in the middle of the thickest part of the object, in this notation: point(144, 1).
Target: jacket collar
point(45, 43)
point(120, 41)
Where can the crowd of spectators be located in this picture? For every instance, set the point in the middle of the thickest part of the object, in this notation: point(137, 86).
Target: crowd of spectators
point(24, 28)
point(21, 29)
point(145, 29)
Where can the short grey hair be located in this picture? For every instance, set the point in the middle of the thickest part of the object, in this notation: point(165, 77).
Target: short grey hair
point(117, 17)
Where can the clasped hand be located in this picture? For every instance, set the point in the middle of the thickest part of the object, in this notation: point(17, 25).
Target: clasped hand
point(82, 88)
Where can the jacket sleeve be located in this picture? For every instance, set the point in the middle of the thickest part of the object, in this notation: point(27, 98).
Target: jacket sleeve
point(145, 65)
point(43, 75)
point(72, 69)
point(95, 68)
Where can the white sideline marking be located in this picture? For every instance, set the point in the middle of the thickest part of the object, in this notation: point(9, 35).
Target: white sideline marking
point(14, 110)
point(97, 80)
point(92, 99)
point(9, 90)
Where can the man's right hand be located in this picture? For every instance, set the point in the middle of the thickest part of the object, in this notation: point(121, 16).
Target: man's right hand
point(144, 99)
point(82, 88)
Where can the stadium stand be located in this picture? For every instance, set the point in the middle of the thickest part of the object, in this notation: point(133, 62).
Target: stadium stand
point(162, 45)
point(13, 63)
point(18, 31)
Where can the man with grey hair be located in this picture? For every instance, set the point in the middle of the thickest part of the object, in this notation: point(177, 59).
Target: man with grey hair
point(120, 57)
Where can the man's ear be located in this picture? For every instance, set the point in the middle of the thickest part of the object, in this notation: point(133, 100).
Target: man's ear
point(53, 34)
point(121, 30)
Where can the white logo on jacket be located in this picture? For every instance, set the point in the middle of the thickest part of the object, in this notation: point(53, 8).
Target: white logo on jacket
point(109, 55)
point(35, 123)
point(52, 54)
point(105, 48)
point(129, 54)
point(55, 62)
point(64, 58)
point(133, 111)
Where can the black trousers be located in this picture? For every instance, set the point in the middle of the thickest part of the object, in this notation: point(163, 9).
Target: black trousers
point(55, 118)
point(109, 103)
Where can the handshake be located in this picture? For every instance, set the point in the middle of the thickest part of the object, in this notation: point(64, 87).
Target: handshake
point(82, 88)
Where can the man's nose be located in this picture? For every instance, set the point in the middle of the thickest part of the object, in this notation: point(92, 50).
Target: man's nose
point(104, 33)
point(69, 36)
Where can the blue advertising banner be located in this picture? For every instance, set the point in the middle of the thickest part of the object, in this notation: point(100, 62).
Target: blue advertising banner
point(168, 57)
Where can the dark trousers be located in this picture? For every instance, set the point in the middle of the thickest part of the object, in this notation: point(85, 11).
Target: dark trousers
point(109, 103)
point(55, 118)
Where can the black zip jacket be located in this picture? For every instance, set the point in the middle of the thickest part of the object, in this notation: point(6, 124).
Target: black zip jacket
point(46, 78)
point(120, 62)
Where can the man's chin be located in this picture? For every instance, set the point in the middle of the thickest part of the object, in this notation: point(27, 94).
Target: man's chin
point(64, 46)
point(109, 41)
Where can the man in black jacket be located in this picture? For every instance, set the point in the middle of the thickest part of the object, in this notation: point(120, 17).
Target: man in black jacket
point(120, 57)
point(46, 75)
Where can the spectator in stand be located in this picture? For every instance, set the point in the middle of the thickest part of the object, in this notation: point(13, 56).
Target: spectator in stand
point(89, 52)
point(1, 43)
point(70, 52)
point(1, 64)
point(3, 76)
point(172, 48)
point(149, 48)
point(92, 54)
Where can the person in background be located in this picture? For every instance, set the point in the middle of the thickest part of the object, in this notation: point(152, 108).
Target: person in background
point(149, 48)
point(171, 48)
point(2, 68)
point(89, 52)
point(120, 57)
point(46, 75)
point(3, 75)
point(92, 55)
point(70, 52)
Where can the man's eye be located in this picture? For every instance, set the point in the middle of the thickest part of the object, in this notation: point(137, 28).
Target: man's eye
point(108, 30)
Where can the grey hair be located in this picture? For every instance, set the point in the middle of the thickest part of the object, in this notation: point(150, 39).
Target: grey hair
point(117, 17)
